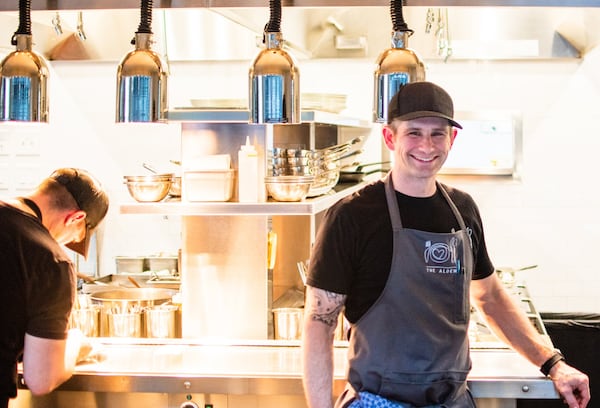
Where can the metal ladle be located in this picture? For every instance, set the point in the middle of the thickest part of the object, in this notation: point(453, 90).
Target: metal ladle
point(175, 190)
point(149, 168)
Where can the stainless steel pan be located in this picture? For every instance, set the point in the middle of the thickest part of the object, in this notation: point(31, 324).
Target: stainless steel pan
point(358, 174)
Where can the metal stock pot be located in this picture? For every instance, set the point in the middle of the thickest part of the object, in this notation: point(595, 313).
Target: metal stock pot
point(127, 308)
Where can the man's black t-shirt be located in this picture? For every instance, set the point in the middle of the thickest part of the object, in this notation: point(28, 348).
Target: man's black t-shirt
point(353, 251)
point(37, 289)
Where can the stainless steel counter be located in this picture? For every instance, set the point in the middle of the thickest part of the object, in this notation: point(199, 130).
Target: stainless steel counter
point(268, 368)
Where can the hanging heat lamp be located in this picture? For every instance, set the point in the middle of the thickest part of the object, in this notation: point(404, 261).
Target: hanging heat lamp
point(396, 66)
point(23, 76)
point(274, 77)
point(142, 77)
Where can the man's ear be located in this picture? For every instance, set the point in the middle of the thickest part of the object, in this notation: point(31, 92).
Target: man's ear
point(388, 136)
point(75, 216)
point(453, 136)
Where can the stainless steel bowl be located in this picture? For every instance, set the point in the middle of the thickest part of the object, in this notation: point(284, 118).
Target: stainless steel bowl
point(175, 190)
point(288, 188)
point(150, 188)
point(292, 171)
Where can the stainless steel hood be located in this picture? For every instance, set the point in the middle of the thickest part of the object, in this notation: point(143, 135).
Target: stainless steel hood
point(234, 33)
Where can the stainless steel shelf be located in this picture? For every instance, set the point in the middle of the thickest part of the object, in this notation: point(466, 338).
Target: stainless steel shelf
point(191, 114)
point(309, 206)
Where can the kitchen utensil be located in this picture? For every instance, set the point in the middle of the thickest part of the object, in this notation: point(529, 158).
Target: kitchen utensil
point(135, 283)
point(163, 263)
point(302, 270)
point(160, 321)
point(149, 168)
point(121, 309)
point(292, 297)
point(151, 188)
point(129, 264)
point(292, 171)
point(271, 255)
point(325, 168)
point(507, 274)
point(288, 188)
point(208, 185)
point(357, 175)
point(86, 319)
point(288, 323)
point(324, 182)
point(175, 190)
point(124, 324)
point(316, 153)
point(73, 46)
point(85, 277)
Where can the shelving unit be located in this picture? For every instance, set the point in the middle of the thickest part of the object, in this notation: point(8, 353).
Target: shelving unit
point(310, 206)
point(224, 276)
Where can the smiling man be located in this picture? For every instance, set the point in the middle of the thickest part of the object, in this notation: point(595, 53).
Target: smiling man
point(403, 257)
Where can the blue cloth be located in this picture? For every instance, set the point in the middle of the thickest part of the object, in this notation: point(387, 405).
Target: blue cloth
point(369, 400)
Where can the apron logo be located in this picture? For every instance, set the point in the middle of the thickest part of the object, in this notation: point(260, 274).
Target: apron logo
point(440, 257)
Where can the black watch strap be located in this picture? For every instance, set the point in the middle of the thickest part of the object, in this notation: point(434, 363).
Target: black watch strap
point(551, 362)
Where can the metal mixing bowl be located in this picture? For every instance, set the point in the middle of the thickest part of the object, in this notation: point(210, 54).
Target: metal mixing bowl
point(175, 190)
point(288, 188)
point(150, 188)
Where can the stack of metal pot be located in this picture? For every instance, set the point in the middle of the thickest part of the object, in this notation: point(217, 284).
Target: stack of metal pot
point(137, 312)
point(323, 164)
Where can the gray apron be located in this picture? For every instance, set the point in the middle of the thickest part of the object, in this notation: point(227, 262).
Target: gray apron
point(412, 346)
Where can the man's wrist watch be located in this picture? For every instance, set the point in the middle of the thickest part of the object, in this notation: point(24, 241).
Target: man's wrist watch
point(551, 362)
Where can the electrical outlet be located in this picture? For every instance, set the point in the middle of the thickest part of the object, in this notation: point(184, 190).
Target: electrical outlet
point(28, 145)
point(4, 145)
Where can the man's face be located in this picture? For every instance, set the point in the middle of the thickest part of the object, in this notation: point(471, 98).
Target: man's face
point(420, 146)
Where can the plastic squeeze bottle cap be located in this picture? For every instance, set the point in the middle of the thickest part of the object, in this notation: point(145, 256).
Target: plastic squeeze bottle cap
point(248, 182)
point(248, 148)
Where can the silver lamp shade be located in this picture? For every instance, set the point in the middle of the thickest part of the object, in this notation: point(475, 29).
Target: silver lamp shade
point(142, 84)
point(23, 84)
point(274, 84)
point(396, 66)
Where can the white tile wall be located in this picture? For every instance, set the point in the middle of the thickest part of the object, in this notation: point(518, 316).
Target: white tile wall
point(549, 217)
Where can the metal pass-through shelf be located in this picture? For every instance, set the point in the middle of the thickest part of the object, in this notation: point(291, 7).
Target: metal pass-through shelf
point(308, 206)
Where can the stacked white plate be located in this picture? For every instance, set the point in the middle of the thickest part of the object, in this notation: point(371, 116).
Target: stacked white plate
point(333, 103)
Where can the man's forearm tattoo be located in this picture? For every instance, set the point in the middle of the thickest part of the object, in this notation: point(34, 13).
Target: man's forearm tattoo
point(327, 307)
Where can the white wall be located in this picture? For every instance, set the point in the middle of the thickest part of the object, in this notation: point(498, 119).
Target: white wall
point(548, 217)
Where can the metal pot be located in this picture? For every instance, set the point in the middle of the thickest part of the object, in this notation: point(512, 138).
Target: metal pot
point(331, 152)
point(122, 309)
point(288, 323)
point(161, 321)
point(358, 174)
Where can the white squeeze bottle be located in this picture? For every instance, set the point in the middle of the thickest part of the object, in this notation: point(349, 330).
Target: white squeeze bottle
point(248, 186)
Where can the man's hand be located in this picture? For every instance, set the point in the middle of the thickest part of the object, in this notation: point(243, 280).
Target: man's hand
point(84, 350)
point(572, 385)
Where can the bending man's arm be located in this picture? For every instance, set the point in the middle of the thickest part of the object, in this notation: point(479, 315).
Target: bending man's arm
point(320, 320)
point(505, 318)
point(48, 363)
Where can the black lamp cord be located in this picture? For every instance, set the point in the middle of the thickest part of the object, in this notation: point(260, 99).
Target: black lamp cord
point(24, 20)
point(398, 23)
point(145, 18)
point(274, 24)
